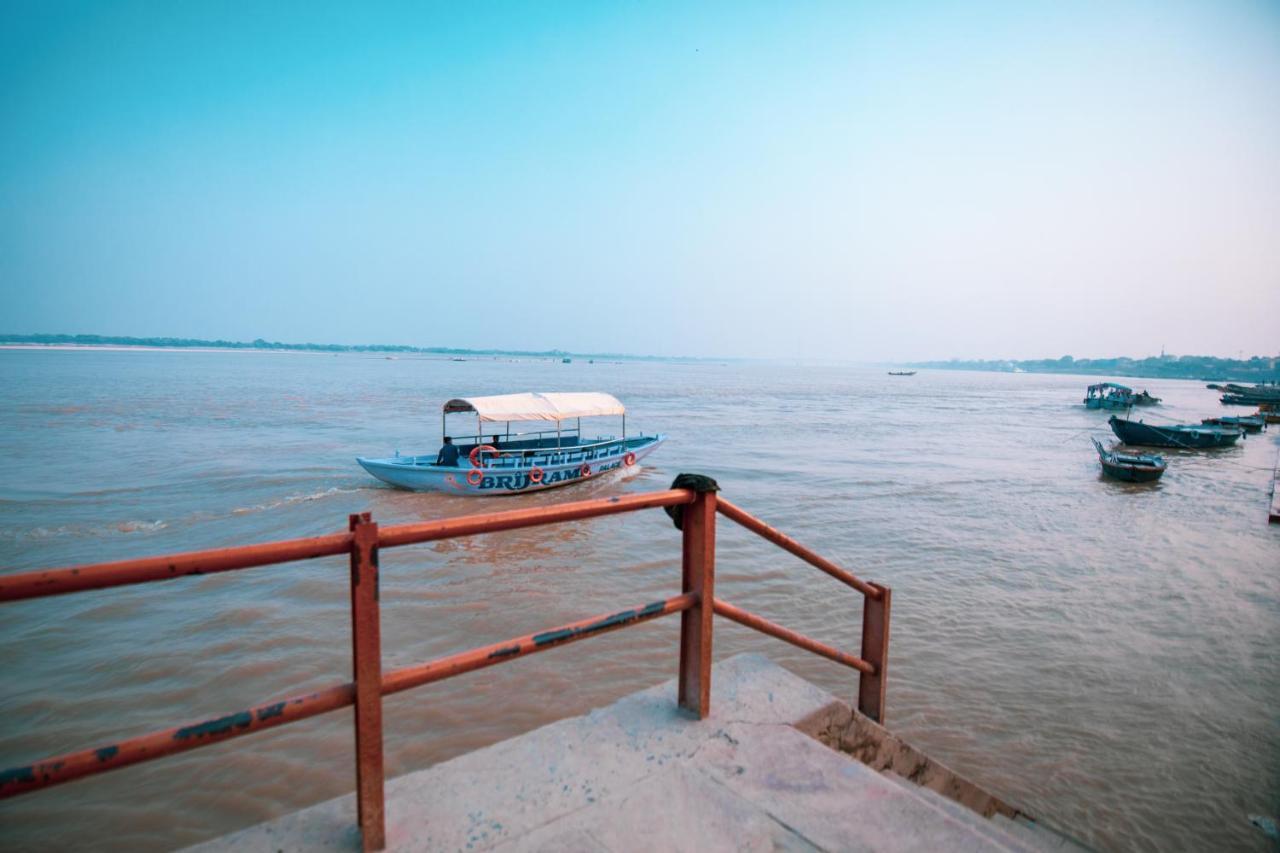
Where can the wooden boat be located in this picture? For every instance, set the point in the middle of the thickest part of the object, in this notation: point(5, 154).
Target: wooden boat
point(1132, 468)
point(1191, 437)
point(1242, 400)
point(1145, 399)
point(1248, 423)
point(1108, 395)
point(902, 373)
point(1268, 393)
point(500, 463)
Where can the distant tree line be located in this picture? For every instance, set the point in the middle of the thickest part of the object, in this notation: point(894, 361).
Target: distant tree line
point(1256, 369)
point(260, 344)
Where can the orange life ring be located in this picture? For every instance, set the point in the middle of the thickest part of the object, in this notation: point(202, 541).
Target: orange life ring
point(535, 474)
point(585, 470)
point(474, 455)
point(474, 477)
point(629, 459)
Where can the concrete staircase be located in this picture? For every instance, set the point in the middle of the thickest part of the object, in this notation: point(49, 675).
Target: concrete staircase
point(640, 775)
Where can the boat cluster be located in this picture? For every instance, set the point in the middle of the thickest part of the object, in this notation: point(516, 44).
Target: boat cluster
point(1265, 397)
point(1211, 432)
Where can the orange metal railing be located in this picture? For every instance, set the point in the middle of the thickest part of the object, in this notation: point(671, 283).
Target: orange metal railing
point(696, 604)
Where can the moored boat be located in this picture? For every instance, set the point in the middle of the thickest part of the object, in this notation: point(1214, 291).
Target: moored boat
point(1108, 395)
point(1144, 398)
point(1130, 467)
point(1264, 391)
point(1248, 423)
point(1188, 436)
point(902, 373)
point(500, 463)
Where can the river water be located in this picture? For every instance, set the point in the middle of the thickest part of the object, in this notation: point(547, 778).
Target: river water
point(1104, 655)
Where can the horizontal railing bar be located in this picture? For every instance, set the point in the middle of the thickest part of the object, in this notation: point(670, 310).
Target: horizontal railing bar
point(447, 667)
point(469, 525)
point(785, 542)
point(64, 768)
point(47, 582)
point(759, 623)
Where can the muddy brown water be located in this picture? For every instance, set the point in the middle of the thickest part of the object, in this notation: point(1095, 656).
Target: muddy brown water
point(1103, 654)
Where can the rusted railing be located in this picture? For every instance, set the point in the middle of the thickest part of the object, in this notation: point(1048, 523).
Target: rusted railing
point(364, 539)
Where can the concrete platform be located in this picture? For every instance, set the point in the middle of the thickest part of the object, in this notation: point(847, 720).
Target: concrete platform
point(640, 775)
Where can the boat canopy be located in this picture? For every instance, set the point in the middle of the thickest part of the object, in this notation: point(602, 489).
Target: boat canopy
point(1102, 386)
point(556, 406)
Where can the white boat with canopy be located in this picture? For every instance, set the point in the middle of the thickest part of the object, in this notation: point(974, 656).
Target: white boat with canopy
point(500, 462)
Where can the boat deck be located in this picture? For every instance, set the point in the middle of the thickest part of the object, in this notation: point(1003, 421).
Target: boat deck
point(517, 454)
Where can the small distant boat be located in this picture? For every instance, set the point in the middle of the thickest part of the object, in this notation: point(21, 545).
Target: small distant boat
point(500, 462)
point(1248, 423)
point(1132, 468)
point(1191, 437)
point(1145, 399)
point(902, 373)
point(1108, 395)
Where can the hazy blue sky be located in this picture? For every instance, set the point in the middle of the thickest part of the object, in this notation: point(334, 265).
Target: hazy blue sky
point(864, 181)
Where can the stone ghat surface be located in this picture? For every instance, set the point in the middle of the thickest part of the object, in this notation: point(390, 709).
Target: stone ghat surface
point(642, 775)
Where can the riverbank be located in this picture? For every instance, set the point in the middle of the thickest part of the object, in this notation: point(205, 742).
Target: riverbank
point(120, 342)
point(1192, 368)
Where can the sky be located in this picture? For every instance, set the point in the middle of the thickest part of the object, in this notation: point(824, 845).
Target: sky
point(860, 181)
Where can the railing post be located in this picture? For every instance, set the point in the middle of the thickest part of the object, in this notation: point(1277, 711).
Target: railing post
point(875, 651)
point(699, 569)
point(366, 654)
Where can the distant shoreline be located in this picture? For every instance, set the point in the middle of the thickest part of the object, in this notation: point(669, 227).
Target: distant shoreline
point(1197, 368)
point(411, 356)
point(128, 348)
point(119, 343)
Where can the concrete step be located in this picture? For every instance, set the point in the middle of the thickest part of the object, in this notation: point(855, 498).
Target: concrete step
point(1021, 831)
point(642, 775)
point(769, 787)
point(1047, 838)
point(997, 833)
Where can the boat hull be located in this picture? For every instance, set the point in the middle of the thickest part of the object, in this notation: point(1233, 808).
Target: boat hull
point(1250, 425)
point(1105, 403)
point(1187, 437)
point(1132, 473)
point(1131, 469)
point(512, 475)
